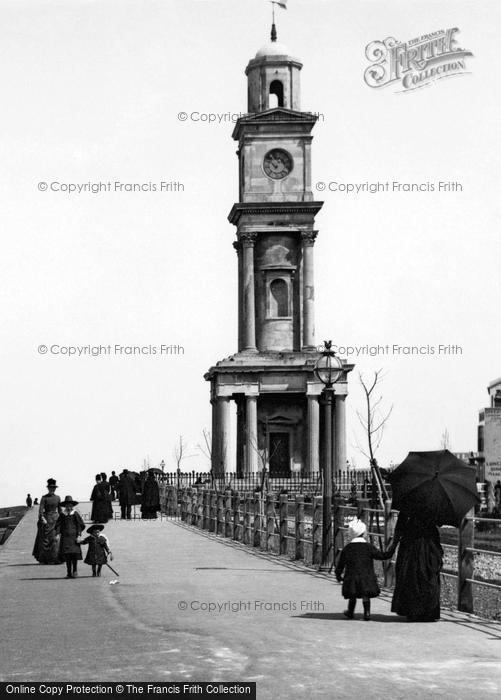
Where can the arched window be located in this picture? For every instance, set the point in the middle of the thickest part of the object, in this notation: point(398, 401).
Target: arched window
point(279, 298)
point(276, 94)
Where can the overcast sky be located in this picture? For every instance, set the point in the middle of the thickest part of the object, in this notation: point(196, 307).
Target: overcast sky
point(91, 92)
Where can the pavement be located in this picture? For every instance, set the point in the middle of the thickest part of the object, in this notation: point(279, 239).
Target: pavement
point(190, 606)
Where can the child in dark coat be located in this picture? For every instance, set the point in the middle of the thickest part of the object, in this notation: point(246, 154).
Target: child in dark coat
point(356, 561)
point(70, 525)
point(98, 550)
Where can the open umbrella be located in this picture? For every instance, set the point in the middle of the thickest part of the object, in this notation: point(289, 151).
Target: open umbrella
point(437, 486)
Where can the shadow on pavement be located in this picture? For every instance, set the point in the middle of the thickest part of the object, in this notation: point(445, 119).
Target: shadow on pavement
point(357, 618)
point(51, 578)
point(486, 627)
point(232, 568)
point(35, 563)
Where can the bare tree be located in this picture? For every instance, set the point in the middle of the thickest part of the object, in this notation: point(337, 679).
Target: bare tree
point(264, 456)
point(206, 450)
point(206, 447)
point(445, 442)
point(373, 421)
point(179, 452)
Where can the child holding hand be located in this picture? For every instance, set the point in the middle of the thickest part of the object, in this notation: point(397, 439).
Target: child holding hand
point(99, 550)
point(356, 561)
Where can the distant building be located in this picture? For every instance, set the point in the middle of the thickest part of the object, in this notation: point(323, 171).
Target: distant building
point(489, 433)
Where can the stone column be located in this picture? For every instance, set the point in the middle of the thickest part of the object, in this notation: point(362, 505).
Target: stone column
point(313, 434)
point(214, 436)
point(249, 316)
point(220, 435)
point(238, 247)
point(251, 434)
point(308, 238)
point(340, 426)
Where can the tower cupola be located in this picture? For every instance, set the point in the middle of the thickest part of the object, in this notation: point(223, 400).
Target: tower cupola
point(273, 79)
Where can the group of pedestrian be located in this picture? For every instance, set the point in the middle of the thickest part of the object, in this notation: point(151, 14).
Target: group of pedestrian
point(419, 561)
point(131, 492)
point(59, 529)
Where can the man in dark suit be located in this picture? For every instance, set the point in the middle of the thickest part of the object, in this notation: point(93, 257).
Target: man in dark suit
point(126, 494)
point(114, 485)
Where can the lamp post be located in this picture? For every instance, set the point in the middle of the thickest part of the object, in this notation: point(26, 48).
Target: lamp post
point(328, 369)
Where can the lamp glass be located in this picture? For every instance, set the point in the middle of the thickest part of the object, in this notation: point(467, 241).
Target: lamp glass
point(328, 369)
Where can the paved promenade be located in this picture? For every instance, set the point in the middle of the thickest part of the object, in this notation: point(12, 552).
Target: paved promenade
point(54, 629)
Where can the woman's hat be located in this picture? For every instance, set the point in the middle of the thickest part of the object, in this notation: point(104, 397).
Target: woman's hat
point(356, 528)
point(51, 482)
point(95, 526)
point(68, 501)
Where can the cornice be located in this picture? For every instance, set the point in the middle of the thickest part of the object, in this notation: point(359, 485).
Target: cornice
point(240, 209)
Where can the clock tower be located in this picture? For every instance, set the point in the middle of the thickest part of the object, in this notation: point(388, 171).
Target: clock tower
point(271, 377)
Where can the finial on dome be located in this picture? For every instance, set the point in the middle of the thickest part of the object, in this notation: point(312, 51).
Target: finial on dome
point(273, 32)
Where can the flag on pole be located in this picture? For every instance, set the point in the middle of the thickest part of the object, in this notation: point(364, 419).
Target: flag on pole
point(283, 5)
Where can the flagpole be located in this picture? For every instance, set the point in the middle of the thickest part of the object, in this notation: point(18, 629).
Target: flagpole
point(273, 28)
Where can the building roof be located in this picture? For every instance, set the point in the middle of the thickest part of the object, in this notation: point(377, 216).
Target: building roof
point(272, 48)
point(495, 382)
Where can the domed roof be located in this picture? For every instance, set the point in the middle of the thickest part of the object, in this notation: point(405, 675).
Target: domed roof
point(272, 48)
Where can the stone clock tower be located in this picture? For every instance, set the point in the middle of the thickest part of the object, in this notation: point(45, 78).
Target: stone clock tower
point(271, 377)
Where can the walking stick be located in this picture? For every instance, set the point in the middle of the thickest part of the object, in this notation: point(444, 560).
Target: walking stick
point(110, 567)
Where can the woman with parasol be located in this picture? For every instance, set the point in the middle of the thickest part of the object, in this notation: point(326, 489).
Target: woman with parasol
point(430, 489)
point(417, 570)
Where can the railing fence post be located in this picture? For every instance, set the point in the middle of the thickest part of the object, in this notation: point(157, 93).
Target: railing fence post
point(246, 535)
point(213, 512)
point(316, 533)
point(236, 514)
point(256, 525)
point(220, 515)
point(299, 520)
point(284, 529)
point(465, 562)
point(227, 514)
point(200, 508)
point(206, 509)
point(270, 521)
point(194, 507)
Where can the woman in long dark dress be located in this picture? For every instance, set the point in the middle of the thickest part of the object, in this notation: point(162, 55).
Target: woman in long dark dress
point(150, 502)
point(107, 487)
point(100, 512)
point(46, 547)
point(418, 566)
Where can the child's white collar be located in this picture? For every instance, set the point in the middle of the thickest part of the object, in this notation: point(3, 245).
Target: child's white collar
point(358, 539)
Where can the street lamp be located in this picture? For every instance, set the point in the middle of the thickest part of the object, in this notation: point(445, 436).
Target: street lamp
point(328, 369)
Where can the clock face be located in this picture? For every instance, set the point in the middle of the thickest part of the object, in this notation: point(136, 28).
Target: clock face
point(277, 164)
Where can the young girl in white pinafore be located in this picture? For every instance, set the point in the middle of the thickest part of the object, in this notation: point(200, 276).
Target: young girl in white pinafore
point(356, 561)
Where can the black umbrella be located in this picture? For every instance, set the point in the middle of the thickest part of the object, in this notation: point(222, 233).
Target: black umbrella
point(437, 486)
